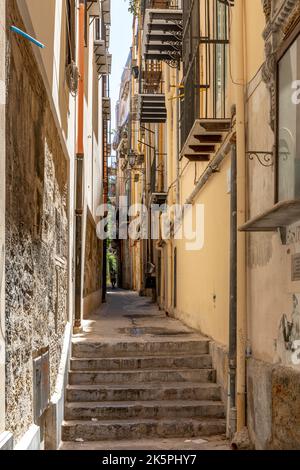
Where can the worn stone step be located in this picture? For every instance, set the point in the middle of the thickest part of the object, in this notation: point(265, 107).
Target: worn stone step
point(150, 362)
point(133, 429)
point(168, 391)
point(142, 376)
point(144, 410)
point(91, 349)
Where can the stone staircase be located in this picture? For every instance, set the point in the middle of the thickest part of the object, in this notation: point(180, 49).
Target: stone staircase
point(130, 390)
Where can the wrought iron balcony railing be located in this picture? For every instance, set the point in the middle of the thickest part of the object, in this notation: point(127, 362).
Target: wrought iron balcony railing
point(163, 4)
point(151, 78)
point(205, 75)
point(162, 38)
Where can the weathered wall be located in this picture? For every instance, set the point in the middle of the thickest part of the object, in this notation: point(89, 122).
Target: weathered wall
point(36, 231)
point(2, 214)
point(93, 267)
point(273, 406)
point(273, 297)
point(126, 265)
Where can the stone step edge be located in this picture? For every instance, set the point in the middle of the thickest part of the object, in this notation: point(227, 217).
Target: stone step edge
point(146, 386)
point(118, 422)
point(134, 371)
point(136, 358)
point(143, 403)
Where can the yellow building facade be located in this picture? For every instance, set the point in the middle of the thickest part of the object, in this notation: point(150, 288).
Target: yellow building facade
point(206, 129)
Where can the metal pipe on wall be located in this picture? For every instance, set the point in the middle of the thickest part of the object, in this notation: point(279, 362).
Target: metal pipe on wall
point(232, 359)
point(238, 54)
point(105, 191)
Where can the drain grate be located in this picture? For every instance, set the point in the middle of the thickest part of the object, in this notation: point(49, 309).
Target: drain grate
point(140, 331)
point(136, 316)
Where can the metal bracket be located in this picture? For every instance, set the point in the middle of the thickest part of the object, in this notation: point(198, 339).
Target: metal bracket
point(283, 234)
point(266, 159)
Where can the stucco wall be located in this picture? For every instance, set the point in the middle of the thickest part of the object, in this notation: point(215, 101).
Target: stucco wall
point(36, 231)
point(269, 262)
point(203, 275)
point(92, 268)
point(272, 298)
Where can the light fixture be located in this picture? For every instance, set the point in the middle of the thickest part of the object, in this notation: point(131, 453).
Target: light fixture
point(131, 158)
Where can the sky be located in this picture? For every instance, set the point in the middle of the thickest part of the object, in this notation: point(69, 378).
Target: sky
point(121, 36)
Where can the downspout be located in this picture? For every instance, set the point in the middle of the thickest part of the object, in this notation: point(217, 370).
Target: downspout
point(178, 143)
point(239, 75)
point(231, 405)
point(105, 191)
point(79, 173)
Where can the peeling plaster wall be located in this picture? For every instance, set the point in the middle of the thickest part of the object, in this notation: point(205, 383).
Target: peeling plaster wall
point(92, 268)
point(36, 231)
point(273, 376)
point(273, 406)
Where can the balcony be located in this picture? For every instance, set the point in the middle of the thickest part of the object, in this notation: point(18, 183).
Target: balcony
point(106, 11)
point(205, 115)
point(205, 139)
point(102, 58)
point(96, 8)
point(152, 108)
point(162, 39)
point(106, 109)
point(151, 100)
point(152, 78)
point(92, 7)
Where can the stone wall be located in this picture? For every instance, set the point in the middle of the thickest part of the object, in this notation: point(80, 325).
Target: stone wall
point(273, 406)
point(36, 230)
point(2, 219)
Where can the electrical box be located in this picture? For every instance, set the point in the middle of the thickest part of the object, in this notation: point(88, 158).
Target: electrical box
point(41, 385)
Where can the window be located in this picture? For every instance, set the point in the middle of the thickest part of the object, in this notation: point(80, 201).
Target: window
point(220, 60)
point(289, 124)
point(97, 29)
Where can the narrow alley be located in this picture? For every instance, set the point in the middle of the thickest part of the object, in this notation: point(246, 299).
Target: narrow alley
point(149, 227)
point(141, 380)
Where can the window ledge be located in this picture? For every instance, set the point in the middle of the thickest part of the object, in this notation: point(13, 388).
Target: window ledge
point(279, 217)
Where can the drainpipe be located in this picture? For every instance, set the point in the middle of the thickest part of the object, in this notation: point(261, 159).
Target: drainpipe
point(105, 191)
point(178, 143)
point(238, 54)
point(231, 406)
point(79, 173)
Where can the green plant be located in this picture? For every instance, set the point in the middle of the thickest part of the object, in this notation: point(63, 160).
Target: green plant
point(134, 7)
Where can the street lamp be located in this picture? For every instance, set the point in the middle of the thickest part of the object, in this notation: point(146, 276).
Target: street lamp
point(131, 158)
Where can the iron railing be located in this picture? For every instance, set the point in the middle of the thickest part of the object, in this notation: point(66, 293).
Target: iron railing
point(151, 78)
point(163, 4)
point(205, 56)
point(160, 4)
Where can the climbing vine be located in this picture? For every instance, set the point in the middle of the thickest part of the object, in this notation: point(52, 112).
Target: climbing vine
point(134, 7)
